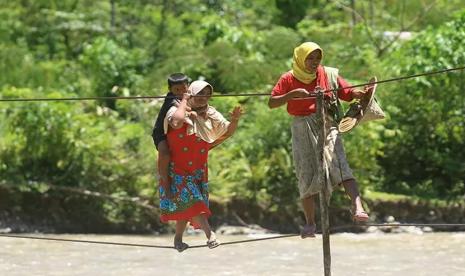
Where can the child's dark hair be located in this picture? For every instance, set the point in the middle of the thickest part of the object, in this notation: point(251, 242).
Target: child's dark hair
point(177, 78)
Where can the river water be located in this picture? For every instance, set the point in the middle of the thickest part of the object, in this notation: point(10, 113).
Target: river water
point(352, 254)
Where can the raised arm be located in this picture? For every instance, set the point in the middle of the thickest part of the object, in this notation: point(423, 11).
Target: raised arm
point(179, 116)
point(235, 115)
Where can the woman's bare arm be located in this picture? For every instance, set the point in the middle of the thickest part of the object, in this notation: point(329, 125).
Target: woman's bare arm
point(234, 122)
point(277, 101)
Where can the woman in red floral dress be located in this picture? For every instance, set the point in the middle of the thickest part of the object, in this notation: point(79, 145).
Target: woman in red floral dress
point(190, 135)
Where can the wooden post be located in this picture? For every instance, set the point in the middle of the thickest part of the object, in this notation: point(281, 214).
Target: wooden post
point(324, 194)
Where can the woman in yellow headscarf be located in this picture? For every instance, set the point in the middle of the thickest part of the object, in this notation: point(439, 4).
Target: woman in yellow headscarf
point(293, 89)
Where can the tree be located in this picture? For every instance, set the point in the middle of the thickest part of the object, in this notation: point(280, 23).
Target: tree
point(292, 11)
point(423, 151)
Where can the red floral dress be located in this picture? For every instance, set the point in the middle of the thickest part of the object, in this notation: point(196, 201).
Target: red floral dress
point(188, 175)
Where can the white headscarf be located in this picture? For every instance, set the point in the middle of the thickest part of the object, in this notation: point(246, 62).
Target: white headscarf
point(209, 127)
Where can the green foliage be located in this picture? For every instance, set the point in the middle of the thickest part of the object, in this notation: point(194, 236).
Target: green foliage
point(291, 11)
point(80, 48)
point(109, 66)
point(258, 164)
point(424, 154)
point(62, 143)
point(363, 147)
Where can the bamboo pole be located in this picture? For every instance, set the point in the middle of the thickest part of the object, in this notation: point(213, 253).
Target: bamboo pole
point(324, 194)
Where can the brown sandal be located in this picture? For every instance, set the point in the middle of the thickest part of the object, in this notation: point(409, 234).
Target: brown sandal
point(359, 216)
point(180, 246)
point(308, 231)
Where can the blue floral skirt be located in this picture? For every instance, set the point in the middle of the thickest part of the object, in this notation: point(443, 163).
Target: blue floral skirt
point(190, 197)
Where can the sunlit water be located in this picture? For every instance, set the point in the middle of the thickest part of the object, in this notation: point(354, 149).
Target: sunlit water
point(352, 254)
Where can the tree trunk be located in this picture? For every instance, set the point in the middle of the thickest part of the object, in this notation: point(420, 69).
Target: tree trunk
point(354, 15)
point(112, 20)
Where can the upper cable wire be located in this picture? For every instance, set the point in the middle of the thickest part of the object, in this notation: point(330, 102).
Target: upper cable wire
point(222, 95)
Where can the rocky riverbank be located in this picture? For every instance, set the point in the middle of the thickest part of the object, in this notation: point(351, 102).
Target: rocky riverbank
point(61, 212)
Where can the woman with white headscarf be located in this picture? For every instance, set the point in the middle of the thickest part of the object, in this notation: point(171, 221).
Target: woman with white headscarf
point(185, 197)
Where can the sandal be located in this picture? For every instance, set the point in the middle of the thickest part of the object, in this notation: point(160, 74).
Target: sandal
point(351, 117)
point(212, 241)
point(359, 216)
point(180, 246)
point(308, 231)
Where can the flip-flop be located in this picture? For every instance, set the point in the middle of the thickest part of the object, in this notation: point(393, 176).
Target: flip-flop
point(181, 246)
point(360, 216)
point(351, 117)
point(346, 124)
point(308, 231)
point(213, 242)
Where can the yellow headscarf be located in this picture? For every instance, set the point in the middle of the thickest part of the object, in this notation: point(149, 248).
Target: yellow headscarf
point(298, 63)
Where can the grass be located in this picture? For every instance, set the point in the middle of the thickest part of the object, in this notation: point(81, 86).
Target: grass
point(375, 195)
point(382, 196)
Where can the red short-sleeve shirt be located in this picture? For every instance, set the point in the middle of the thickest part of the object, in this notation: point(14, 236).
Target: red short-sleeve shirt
point(303, 107)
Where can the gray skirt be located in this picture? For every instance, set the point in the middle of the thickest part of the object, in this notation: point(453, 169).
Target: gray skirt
point(308, 167)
